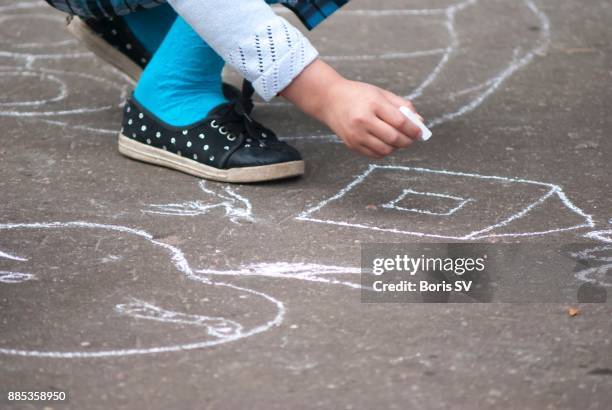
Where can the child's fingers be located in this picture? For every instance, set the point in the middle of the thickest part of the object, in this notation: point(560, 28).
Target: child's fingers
point(392, 116)
point(368, 152)
point(377, 146)
point(357, 145)
point(389, 134)
point(399, 102)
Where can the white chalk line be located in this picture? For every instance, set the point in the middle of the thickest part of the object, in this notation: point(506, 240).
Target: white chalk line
point(516, 216)
point(589, 222)
point(590, 254)
point(237, 208)
point(15, 277)
point(123, 96)
point(365, 57)
point(446, 53)
point(316, 273)
point(30, 59)
point(470, 90)
point(324, 137)
point(393, 204)
point(309, 272)
point(54, 113)
point(65, 124)
point(62, 43)
point(122, 88)
point(55, 75)
point(516, 65)
point(387, 56)
point(479, 234)
point(180, 262)
point(50, 17)
point(21, 5)
point(63, 88)
point(215, 326)
point(7, 255)
point(596, 275)
point(602, 236)
point(454, 43)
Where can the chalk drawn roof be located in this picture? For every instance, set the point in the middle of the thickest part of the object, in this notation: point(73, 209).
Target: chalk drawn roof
point(468, 210)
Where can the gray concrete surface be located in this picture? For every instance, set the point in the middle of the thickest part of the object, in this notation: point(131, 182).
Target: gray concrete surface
point(124, 304)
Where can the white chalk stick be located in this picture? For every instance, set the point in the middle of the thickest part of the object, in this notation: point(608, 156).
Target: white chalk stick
point(425, 132)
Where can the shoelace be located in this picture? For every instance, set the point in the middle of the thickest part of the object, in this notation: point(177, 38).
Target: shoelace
point(236, 120)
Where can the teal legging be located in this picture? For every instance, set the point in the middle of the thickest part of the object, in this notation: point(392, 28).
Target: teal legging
point(182, 82)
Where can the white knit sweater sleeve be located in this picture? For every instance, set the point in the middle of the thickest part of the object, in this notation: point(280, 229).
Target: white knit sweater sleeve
point(265, 48)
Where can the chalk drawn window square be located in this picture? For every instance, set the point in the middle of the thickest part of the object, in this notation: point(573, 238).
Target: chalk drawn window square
point(428, 203)
point(484, 205)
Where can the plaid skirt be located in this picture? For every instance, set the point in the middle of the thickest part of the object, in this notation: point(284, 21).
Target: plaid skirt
point(310, 12)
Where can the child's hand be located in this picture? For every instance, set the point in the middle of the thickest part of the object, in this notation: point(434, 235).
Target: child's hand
point(367, 118)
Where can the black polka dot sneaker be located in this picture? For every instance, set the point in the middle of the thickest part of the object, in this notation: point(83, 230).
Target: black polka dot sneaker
point(112, 41)
point(228, 145)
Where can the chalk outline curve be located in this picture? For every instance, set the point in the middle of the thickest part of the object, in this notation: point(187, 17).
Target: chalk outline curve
point(180, 262)
point(54, 73)
point(62, 92)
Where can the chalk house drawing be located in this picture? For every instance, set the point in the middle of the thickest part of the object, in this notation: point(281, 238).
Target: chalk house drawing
point(475, 218)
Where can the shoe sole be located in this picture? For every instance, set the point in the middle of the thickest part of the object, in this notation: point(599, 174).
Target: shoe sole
point(138, 151)
point(102, 49)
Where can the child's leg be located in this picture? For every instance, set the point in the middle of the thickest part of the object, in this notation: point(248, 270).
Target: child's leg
point(150, 26)
point(182, 83)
